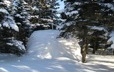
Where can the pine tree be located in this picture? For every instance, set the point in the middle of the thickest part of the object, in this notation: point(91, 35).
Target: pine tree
point(44, 13)
point(83, 20)
point(21, 17)
point(8, 33)
point(53, 14)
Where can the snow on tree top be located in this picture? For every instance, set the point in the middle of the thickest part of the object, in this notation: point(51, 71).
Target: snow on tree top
point(18, 15)
point(34, 16)
point(4, 11)
point(12, 24)
point(2, 4)
point(97, 28)
point(19, 44)
point(24, 2)
point(77, 3)
point(35, 8)
point(112, 39)
point(111, 6)
point(16, 2)
point(71, 13)
point(50, 20)
point(8, 3)
point(5, 24)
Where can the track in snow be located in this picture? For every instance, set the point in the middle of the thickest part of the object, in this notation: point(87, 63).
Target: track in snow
point(48, 54)
point(45, 54)
point(45, 45)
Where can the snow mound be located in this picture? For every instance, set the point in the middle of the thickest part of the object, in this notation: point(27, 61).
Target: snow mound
point(45, 45)
point(48, 54)
point(112, 39)
point(3, 11)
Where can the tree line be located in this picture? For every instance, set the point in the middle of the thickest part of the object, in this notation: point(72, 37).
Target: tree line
point(91, 21)
point(19, 18)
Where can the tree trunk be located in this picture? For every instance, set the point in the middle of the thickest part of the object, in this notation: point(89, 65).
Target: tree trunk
point(93, 51)
point(84, 51)
point(94, 48)
point(86, 47)
point(113, 52)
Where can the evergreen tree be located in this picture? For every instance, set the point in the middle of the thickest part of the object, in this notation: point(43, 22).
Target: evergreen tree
point(8, 33)
point(83, 20)
point(21, 17)
point(53, 7)
point(44, 13)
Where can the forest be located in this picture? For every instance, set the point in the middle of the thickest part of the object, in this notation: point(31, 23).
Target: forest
point(89, 22)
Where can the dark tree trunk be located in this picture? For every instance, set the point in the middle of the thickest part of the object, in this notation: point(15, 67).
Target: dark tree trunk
point(84, 51)
point(86, 47)
point(113, 52)
point(94, 48)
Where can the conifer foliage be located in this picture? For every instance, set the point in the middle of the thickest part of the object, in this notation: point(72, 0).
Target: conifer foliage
point(89, 20)
point(43, 14)
point(8, 33)
point(17, 21)
point(21, 18)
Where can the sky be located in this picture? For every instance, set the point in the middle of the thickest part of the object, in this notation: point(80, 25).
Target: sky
point(61, 5)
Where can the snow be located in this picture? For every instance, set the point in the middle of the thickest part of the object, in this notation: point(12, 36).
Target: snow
point(7, 2)
point(52, 47)
point(4, 11)
point(19, 44)
point(99, 63)
point(96, 28)
point(12, 24)
point(49, 20)
point(35, 16)
point(109, 5)
point(72, 12)
point(15, 3)
point(69, 23)
point(35, 8)
point(5, 24)
point(8, 21)
point(46, 53)
point(77, 3)
point(24, 2)
point(18, 15)
point(112, 39)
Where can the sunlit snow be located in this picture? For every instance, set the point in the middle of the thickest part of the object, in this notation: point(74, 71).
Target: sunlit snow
point(46, 53)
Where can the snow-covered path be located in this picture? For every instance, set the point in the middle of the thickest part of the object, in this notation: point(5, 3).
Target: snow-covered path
point(45, 45)
point(45, 54)
point(48, 54)
point(99, 63)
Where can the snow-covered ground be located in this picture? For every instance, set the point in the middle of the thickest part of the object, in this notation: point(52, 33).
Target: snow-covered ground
point(46, 53)
point(112, 39)
point(99, 63)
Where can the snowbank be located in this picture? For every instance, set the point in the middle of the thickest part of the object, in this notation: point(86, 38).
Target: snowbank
point(45, 54)
point(47, 46)
point(112, 39)
point(48, 54)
